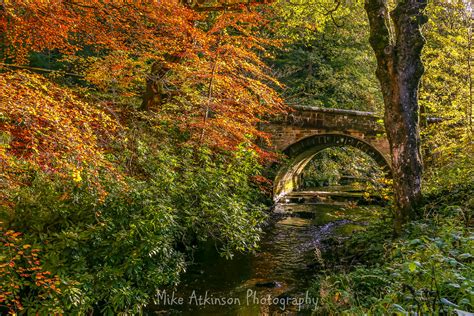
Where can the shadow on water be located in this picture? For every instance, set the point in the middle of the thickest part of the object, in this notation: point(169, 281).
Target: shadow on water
point(272, 281)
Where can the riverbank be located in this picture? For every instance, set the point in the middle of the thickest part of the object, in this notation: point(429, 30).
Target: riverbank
point(428, 269)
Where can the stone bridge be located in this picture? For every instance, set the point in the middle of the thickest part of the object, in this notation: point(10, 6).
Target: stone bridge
point(305, 131)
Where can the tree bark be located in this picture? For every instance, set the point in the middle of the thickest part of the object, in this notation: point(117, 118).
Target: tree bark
point(155, 93)
point(397, 42)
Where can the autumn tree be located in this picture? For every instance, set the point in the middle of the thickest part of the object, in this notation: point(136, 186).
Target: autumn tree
point(206, 75)
point(220, 88)
point(114, 194)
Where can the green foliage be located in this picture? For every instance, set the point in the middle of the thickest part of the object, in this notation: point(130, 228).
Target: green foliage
point(213, 193)
point(331, 67)
point(329, 166)
point(446, 93)
point(429, 269)
point(111, 253)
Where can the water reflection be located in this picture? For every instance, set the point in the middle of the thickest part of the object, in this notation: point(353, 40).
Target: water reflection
point(272, 281)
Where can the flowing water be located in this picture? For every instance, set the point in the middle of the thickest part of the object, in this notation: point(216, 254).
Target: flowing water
point(274, 280)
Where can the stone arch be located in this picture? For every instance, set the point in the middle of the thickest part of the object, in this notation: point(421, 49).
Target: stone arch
point(300, 154)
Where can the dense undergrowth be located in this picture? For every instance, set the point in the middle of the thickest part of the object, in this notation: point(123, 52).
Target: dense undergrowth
point(104, 233)
point(428, 269)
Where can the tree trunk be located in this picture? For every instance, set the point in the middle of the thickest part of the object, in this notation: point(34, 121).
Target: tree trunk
point(155, 92)
point(397, 42)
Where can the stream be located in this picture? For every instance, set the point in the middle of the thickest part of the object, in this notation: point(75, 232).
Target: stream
point(273, 280)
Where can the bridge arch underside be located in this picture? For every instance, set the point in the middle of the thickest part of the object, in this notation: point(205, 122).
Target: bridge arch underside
point(302, 152)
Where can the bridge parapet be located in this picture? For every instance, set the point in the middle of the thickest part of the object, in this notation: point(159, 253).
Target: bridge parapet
point(332, 119)
point(305, 121)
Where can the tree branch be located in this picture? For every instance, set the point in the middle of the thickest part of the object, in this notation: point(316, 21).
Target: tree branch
point(41, 70)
